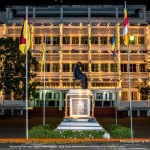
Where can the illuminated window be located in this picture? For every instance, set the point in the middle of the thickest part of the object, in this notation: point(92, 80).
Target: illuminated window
point(141, 40)
point(104, 67)
point(84, 40)
point(123, 67)
point(132, 39)
point(75, 40)
point(103, 40)
point(55, 67)
point(112, 68)
point(56, 40)
point(132, 67)
point(66, 67)
point(84, 67)
point(121, 40)
point(48, 40)
point(94, 67)
point(94, 40)
point(66, 40)
point(142, 67)
point(124, 96)
point(37, 40)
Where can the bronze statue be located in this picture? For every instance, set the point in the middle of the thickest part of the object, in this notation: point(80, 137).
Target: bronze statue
point(78, 75)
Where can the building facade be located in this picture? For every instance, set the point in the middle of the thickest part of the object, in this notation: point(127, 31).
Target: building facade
point(83, 33)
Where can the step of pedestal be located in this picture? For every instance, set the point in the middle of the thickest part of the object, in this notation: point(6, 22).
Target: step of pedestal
point(79, 124)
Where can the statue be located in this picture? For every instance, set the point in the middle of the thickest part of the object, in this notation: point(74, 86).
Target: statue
point(78, 75)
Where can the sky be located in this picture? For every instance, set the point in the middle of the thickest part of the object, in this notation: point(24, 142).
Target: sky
point(3, 3)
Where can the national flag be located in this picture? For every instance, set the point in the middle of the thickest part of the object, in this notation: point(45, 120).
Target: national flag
point(126, 24)
point(113, 46)
point(25, 33)
point(43, 53)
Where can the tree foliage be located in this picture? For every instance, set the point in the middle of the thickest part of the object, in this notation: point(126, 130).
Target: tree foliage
point(144, 91)
point(13, 70)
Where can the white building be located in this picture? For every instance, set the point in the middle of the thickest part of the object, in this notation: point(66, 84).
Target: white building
point(83, 33)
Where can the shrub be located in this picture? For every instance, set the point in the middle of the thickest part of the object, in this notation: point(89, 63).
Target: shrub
point(47, 132)
point(118, 131)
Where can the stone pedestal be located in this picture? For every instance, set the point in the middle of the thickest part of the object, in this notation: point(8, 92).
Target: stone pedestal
point(79, 111)
point(80, 103)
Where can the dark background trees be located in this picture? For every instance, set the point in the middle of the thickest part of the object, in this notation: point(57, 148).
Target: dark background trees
point(13, 70)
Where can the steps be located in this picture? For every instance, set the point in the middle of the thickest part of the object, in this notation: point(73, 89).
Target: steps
point(79, 124)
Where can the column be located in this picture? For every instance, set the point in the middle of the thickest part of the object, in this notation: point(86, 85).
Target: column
point(60, 53)
point(66, 106)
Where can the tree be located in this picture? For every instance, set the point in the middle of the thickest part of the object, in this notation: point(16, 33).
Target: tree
point(13, 70)
point(144, 91)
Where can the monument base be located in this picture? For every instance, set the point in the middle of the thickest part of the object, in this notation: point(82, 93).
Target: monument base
point(80, 124)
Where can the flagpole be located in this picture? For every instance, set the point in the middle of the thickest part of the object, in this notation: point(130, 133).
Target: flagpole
point(131, 125)
point(130, 93)
point(115, 91)
point(44, 81)
point(26, 73)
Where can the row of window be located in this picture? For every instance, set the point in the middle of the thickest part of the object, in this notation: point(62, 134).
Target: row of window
point(104, 67)
point(85, 40)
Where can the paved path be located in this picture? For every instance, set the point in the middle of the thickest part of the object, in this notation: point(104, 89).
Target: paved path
point(14, 127)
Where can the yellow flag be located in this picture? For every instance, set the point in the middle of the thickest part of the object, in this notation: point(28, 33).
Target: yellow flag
point(23, 41)
point(43, 53)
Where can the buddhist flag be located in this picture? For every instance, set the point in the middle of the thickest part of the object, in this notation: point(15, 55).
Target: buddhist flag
point(43, 53)
point(125, 30)
point(113, 45)
point(25, 39)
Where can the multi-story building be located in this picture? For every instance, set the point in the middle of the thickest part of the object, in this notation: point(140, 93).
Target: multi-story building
point(83, 33)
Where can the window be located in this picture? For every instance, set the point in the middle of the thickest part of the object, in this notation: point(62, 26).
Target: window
point(134, 95)
point(84, 67)
point(112, 67)
point(66, 40)
point(94, 67)
point(75, 40)
point(141, 40)
point(84, 40)
point(132, 67)
point(47, 68)
point(104, 67)
point(66, 67)
point(37, 40)
point(55, 67)
point(94, 40)
point(55, 40)
point(124, 96)
point(132, 39)
point(123, 67)
point(110, 96)
point(110, 39)
point(73, 66)
point(103, 40)
point(38, 68)
point(99, 96)
point(142, 68)
point(48, 40)
point(121, 40)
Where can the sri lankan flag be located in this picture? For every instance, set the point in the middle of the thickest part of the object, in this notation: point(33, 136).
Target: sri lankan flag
point(125, 30)
point(25, 33)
